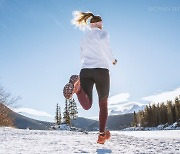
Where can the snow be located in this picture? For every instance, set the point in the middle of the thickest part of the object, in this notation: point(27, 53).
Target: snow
point(174, 126)
point(124, 108)
point(16, 141)
point(61, 127)
point(159, 134)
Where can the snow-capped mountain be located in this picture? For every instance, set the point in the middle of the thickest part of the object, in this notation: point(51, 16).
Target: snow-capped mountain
point(125, 108)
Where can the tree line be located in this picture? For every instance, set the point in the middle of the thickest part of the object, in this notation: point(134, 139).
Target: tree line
point(157, 114)
point(6, 99)
point(70, 112)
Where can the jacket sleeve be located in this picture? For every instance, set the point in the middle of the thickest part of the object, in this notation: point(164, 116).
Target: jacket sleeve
point(104, 37)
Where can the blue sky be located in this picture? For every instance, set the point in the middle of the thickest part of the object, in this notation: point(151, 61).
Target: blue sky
point(39, 50)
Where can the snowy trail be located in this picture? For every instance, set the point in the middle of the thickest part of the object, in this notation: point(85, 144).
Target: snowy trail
point(15, 141)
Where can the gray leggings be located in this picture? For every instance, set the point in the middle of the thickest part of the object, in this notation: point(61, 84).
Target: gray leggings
point(97, 76)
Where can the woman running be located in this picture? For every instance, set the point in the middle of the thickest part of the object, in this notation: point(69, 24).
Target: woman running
point(95, 54)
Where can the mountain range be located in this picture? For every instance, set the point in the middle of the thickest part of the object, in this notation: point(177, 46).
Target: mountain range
point(130, 109)
point(114, 122)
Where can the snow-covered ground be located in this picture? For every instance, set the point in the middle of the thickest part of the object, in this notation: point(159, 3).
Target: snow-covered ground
point(158, 134)
point(16, 141)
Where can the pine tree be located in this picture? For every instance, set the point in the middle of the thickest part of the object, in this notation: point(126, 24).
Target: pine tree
point(150, 116)
point(73, 109)
point(158, 114)
point(146, 116)
point(59, 115)
point(164, 114)
point(142, 119)
point(177, 108)
point(135, 119)
point(56, 116)
point(173, 113)
point(170, 110)
point(66, 116)
point(154, 115)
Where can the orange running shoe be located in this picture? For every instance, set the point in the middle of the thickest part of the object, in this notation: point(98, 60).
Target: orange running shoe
point(103, 137)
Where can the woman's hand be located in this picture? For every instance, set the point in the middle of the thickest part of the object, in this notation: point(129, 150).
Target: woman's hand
point(115, 61)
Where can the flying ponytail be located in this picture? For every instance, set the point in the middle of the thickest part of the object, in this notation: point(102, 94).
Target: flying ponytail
point(81, 19)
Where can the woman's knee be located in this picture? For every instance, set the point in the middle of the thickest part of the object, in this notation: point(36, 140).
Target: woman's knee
point(103, 99)
point(103, 103)
point(87, 106)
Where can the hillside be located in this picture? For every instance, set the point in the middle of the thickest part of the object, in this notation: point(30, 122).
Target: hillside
point(82, 123)
point(114, 122)
point(24, 122)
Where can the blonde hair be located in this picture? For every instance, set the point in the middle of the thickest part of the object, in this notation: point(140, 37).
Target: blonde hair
point(81, 19)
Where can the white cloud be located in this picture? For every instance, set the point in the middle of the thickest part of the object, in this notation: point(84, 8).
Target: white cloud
point(32, 112)
point(121, 103)
point(130, 104)
point(163, 96)
point(125, 106)
point(116, 99)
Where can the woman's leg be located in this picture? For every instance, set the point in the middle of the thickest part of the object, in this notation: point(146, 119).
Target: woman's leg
point(103, 114)
point(102, 82)
point(84, 94)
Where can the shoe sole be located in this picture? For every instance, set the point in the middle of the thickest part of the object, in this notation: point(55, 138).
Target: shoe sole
point(73, 79)
point(68, 90)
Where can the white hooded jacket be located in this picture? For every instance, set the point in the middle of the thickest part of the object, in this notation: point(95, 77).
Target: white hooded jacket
point(95, 49)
